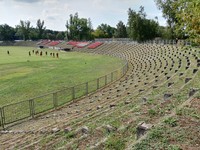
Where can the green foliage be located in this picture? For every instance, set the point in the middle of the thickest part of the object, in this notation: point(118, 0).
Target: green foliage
point(121, 32)
point(115, 143)
point(182, 17)
point(168, 8)
point(140, 28)
point(165, 32)
point(51, 36)
point(7, 33)
point(188, 18)
point(70, 135)
point(171, 121)
point(150, 101)
point(180, 112)
point(195, 115)
point(116, 123)
point(78, 28)
point(98, 33)
point(152, 112)
point(60, 36)
point(174, 147)
point(23, 29)
point(144, 145)
point(40, 28)
point(156, 133)
point(33, 34)
point(104, 31)
point(74, 146)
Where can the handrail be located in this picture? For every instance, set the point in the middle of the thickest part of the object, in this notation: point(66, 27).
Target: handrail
point(29, 108)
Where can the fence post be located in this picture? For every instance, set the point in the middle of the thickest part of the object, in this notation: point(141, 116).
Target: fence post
point(98, 83)
point(73, 93)
point(2, 117)
point(31, 108)
point(112, 77)
point(122, 71)
point(126, 67)
point(86, 88)
point(55, 100)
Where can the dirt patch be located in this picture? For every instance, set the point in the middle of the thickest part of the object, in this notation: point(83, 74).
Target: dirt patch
point(195, 103)
point(188, 129)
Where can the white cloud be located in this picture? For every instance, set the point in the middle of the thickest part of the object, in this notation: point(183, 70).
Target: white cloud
point(56, 12)
point(51, 2)
point(27, 1)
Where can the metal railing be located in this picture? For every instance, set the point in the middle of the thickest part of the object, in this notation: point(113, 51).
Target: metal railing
point(30, 108)
point(156, 41)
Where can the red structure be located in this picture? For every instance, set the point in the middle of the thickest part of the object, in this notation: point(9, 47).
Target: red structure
point(95, 45)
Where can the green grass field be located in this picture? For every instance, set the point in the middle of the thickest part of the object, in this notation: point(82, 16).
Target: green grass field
point(23, 77)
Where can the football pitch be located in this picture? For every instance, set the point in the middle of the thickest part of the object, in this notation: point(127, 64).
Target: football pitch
point(24, 75)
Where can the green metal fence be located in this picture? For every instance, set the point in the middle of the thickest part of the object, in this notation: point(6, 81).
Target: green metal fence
point(30, 108)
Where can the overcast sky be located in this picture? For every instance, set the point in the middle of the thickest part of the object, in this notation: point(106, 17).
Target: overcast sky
point(56, 12)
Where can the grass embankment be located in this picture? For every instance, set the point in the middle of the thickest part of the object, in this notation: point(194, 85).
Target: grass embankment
point(23, 76)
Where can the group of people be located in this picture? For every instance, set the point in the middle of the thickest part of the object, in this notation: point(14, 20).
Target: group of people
point(41, 53)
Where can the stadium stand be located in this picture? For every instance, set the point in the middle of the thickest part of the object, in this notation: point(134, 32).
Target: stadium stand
point(44, 43)
point(78, 44)
point(155, 74)
point(81, 44)
point(53, 43)
point(95, 45)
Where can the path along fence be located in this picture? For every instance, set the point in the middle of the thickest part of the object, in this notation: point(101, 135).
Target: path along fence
point(30, 108)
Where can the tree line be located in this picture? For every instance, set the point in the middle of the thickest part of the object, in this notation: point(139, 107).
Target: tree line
point(183, 18)
point(182, 22)
point(24, 31)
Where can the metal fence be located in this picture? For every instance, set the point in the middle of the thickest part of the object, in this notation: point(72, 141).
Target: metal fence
point(30, 108)
point(168, 42)
point(156, 41)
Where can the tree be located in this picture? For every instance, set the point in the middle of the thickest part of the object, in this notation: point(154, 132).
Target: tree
point(169, 9)
point(121, 30)
point(23, 29)
point(78, 28)
point(60, 36)
point(189, 18)
point(182, 17)
point(107, 30)
point(40, 28)
point(7, 33)
point(33, 34)
point(90, 29)
point(51, 36)
point(99, 34)
point(140, 28)
point(164, 32)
